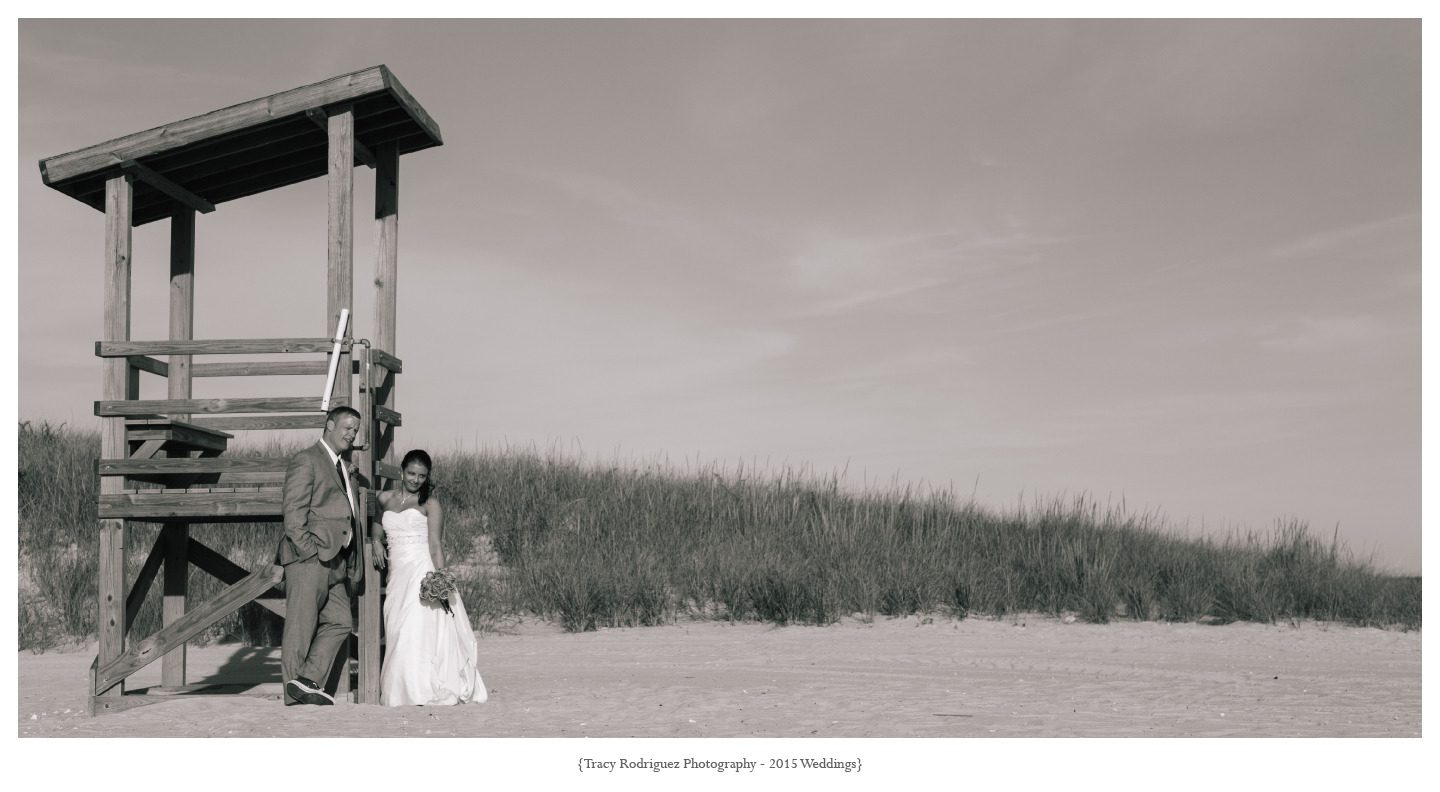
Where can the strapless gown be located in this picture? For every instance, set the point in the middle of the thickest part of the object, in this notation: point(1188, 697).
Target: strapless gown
point(429, 654)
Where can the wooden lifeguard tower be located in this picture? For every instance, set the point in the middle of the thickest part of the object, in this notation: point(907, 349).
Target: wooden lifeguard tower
point(325, 129)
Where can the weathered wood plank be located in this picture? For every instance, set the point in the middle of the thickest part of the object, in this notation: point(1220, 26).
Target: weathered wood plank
point(388, 471)
point(93, 703)
point(177, 541)
point(378, 373)
point(148, 448)
point(187, 436)
point(242, 181)
point(230, 573)
point(370, 628)
point(145, 651)
point(389, 361)
point(118, 207)
point(228, 152)
point(252, 478)
point(220, 176)
point(340, 235)
point(177, 535)
point(277, 517)
point(132, 381)
point(258, 405)
point(160, 506)
point(208, 165)
point(387, 415)
point(384, 389)
point(173, 466)
point(164, 185)
point(303, 367)
point(222, 153)
point(369, 608)
point(412, 107)
point(226, 346)
point(264, 422)
point(182, 299)
point(216, 482)
point(110, 576)
point(208, 481)
point(111, 584)
point(139, 423)
point(136, 597)
point(321, 119)
point(364, 455)
point(387, 250)
point(149, 364)
point(346, 87)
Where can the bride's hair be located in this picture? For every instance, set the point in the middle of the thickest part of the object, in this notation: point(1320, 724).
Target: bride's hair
point(423, 458)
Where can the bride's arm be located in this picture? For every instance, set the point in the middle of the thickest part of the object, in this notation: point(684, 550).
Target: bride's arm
point(436, 519)
point(377, 531)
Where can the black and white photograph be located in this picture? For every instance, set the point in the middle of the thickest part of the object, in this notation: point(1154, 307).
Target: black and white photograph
point(784, 383)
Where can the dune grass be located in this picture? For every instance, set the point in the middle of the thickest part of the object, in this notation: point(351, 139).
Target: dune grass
point(589, 545)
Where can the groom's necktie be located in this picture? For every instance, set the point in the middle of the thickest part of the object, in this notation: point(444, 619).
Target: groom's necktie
point(345, 485)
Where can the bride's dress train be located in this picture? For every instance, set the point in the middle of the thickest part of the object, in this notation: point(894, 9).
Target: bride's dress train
point(429, 654)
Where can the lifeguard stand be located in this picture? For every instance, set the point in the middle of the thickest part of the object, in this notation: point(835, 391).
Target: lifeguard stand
point(326, 129)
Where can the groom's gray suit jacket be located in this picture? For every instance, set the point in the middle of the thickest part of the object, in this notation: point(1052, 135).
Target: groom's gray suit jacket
point(318, 520)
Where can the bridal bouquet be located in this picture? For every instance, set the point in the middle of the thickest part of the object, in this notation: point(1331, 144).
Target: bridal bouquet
point(438, 586)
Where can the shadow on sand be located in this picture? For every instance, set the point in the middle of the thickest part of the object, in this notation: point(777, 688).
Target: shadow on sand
point(247, 664)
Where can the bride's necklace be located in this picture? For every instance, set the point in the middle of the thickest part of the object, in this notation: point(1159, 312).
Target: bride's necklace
point(403, 499)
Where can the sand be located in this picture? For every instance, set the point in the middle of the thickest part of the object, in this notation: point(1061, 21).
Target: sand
point(911, 677)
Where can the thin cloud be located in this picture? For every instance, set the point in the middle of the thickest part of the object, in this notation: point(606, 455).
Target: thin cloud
point(1325, 241)
point(1332, 333)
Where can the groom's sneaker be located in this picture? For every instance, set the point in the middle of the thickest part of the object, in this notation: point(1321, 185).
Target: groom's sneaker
point(307, 692)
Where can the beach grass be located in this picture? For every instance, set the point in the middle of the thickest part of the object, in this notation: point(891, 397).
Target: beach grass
point(587, 544)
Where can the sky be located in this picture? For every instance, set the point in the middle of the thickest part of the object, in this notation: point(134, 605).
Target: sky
point(1169, 264)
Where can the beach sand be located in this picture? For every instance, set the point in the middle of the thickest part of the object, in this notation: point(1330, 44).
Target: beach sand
point(911, 677)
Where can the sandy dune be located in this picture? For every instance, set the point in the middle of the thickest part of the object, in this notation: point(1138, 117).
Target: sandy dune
point(893, 678)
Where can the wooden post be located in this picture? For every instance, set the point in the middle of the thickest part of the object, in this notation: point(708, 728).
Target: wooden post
point(182, 328)
point(110, 622)
point(340, 277)
point(387, 249)
point(177, 568)
point(340, 245)
point(387, 242)
point(368, 646)
point(387, 246)
point(182, 298)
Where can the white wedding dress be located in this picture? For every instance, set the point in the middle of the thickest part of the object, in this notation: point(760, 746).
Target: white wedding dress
point(429, 654)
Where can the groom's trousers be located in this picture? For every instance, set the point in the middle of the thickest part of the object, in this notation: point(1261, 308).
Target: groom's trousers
point(317, 618)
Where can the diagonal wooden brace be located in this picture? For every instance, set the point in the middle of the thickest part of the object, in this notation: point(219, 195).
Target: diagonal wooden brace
point(230, 573)
point(144, 579)
point(146, 651)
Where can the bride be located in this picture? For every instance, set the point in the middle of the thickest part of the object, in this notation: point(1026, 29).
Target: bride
point(429, 654)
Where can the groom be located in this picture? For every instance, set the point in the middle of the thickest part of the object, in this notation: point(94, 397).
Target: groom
point(321, 559)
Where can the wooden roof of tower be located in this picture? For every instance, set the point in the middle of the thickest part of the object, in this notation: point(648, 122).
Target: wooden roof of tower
point(247, 148)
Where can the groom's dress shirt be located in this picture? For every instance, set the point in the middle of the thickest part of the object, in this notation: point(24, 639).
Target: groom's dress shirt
point(349, 495)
